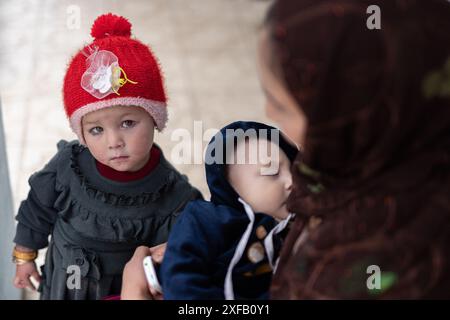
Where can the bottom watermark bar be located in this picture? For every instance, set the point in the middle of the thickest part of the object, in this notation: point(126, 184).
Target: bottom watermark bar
point(267, 309)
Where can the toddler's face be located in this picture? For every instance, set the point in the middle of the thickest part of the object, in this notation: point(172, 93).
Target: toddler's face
point(265, 191)
point(120, 137)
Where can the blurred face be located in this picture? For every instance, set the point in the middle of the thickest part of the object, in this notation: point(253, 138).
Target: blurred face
point(281, 107)
point(265, 191)
point(120, 137)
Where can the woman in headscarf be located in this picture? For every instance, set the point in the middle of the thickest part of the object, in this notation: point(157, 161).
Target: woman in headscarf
point(371, 110)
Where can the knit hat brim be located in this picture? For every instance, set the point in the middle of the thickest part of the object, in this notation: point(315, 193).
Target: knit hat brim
point(156, 109)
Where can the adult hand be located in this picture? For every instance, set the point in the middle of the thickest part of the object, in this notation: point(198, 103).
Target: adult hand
point(157, 253)
point(134, 282)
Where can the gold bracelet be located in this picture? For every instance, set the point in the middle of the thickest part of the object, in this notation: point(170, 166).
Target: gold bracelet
point(27, 256)
point(20, 262)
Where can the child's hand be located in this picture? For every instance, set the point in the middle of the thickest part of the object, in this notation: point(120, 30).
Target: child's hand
point(134, 282)
point(24, 273)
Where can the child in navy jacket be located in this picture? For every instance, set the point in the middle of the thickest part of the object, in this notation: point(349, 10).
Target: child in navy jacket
point(227, 248)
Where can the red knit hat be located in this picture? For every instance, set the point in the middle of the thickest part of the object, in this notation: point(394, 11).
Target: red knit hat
point(113, 70)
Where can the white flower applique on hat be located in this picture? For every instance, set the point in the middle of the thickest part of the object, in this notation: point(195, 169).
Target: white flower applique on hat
point(103, 76)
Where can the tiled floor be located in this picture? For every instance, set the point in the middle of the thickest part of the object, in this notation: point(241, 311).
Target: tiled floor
point(206, 49)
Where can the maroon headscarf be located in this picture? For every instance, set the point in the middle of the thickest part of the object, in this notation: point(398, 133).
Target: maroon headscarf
point(373, 186)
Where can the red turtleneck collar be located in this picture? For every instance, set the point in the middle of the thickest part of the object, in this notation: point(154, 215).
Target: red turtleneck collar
point(127, 176)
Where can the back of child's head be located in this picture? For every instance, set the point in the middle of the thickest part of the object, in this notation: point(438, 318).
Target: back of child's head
point(113, 70)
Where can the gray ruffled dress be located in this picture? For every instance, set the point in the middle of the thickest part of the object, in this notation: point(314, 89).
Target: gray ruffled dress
point(95, 223)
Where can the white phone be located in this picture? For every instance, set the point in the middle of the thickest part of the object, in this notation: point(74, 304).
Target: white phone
point(150, 273)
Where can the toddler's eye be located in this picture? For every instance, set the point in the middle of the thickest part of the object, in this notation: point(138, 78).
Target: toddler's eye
point(128, 123)
point(96, 130)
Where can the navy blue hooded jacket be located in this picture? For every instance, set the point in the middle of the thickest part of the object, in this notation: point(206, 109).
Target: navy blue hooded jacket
point(203, 241)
